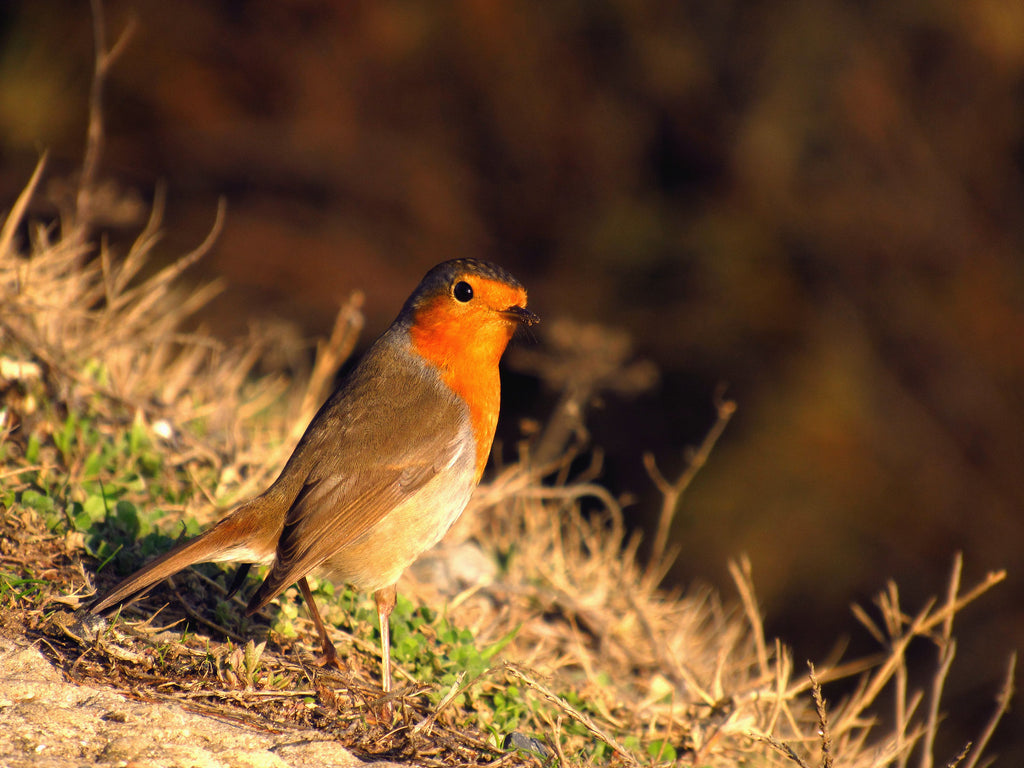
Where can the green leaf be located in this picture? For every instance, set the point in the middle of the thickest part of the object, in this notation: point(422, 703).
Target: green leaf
point(498, 645)
point(32, 449)
point(64, 438)
point(95, 507)
point(662, 751)
point(37, 501)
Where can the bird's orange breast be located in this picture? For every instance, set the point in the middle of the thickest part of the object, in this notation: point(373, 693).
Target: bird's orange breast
point(466, 350)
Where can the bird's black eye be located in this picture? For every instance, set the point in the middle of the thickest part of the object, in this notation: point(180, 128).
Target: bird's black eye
point(462, 291)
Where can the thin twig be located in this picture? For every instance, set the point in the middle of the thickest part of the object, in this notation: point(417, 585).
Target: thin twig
point(672, 493)
point(1003, 699)
point(889, 602)
point(947, 652)
point(457, 687)
point(955, 762)
point(781, 748)
point(917, 626)
point(17, 213)
point(103, 60)
point(574, 713)
point(742, 576)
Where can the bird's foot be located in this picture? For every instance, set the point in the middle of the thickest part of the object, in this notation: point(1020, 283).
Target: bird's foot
point(330, 659)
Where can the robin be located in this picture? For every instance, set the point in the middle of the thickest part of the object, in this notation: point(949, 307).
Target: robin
point(387, 464)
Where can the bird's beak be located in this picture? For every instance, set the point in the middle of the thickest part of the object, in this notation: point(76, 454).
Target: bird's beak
point(521, 315)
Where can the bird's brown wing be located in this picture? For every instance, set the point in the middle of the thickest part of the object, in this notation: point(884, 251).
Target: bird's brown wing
point(360, 461)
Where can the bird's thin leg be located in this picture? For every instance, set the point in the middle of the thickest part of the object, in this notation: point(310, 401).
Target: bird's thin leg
point(385, 599)
point(330, 654)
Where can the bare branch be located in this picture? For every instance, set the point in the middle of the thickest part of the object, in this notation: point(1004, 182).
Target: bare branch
point(104, 58)
point(672, 493)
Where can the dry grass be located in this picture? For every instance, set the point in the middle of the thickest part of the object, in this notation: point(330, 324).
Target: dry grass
point(600, 652)
point(685, 670)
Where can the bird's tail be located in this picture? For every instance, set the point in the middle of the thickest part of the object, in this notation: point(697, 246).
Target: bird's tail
point(247, 535)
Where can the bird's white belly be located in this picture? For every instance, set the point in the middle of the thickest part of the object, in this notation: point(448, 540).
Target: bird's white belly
point(378, 558)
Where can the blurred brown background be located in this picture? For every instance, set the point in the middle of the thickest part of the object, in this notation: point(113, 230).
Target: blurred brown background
point(819, 203)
